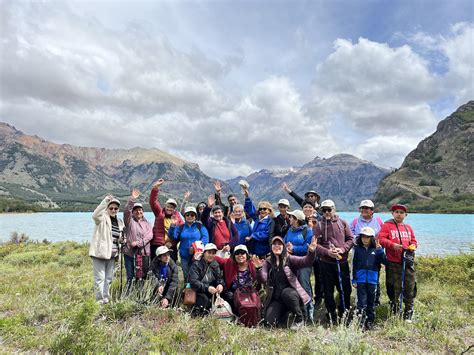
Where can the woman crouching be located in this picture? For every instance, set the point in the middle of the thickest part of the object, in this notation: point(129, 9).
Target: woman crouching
point(284, 292)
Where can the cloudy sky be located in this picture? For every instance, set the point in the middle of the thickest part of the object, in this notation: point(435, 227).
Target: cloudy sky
point(237, 86)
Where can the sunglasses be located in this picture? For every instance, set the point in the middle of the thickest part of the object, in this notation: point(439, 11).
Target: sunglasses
point(240, 252)
point(263, 209)
point(324, 210)
point(113, 208)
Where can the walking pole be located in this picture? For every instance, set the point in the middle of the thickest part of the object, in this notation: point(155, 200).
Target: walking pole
point(403, 283)
point(340, 285)
point(121, 269)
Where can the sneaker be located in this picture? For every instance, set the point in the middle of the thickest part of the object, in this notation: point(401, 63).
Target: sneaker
point(369, 326)
point(407, 316)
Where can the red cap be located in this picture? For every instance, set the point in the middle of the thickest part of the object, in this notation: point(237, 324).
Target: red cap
point(398, 206)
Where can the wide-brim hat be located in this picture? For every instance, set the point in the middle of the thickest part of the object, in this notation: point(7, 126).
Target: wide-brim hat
point(162, 250)
point(210, 246)
point(114, 200)
point(298, 214)
point(368, 231)
point(172, 201)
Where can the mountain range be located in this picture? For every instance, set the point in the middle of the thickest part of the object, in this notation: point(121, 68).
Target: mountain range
point(75, 178)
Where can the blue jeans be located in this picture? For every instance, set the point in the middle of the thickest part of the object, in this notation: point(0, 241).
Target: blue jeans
point(129, 267)
point(185, 265)
point(366, 301)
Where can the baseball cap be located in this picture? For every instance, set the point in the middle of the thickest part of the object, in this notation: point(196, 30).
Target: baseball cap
point(328, 203)
point(210, 246)
point(172, 201)
point(366, 203)
point(298, 214)
point(284, 201)
point(398, 206)
point(367, 231)
point(162, 250)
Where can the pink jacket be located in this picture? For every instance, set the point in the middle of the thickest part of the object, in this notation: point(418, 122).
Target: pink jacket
point(137, 231)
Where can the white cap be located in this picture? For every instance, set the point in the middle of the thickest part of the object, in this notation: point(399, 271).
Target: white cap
point(298, 214)
point(367, 231)
point(328, 203)
point(210, 246)
point(162, 250)
point(244, 184)
point(172, 201)
point(241, 247)
point(284, 201)
point(366, 203)
point(114, 200)
point(190, 209)
point(137, 205)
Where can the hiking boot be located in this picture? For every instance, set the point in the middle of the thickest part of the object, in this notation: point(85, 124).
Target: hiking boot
point(369, 326)
point(407, 316)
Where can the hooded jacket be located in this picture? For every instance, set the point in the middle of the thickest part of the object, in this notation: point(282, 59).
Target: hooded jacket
point(336, 232)
point(101, 244)
point(262, 231)
point(187, 234)
point(365, 264)
point(171, 280)
point(159, 237)
point(137, 231)
point(291, 266)
point(300, 241)
point(202, 275)
point(390, 235)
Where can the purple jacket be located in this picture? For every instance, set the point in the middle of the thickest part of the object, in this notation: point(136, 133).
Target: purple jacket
point(292, 264)
point(137, 231)
point(337, 232)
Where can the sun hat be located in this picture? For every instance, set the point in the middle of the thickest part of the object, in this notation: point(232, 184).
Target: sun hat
point(284, 201)
point(114, 200)
point(366, 203)
point(368, 231)
point(298, 214)
point(241, 247)
point(172, 201)
point(137, 205)
point(162, 250)
point(328, 203)
point(190, 209)
point(210, 246)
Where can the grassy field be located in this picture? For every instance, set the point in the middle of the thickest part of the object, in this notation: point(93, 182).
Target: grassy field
point(47, 304)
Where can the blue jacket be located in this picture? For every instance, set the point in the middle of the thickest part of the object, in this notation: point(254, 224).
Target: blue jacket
point(244, 228)
point(186, 235)
point(365, 264)
point(300, 242)
point(262, 231)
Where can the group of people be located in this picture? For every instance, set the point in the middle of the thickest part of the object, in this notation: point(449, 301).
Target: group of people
point(229, 250)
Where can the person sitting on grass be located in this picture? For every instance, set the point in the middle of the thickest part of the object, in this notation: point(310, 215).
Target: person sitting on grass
point(399, 240)
point(368, 255)
point(284, 292)
point(205, 277)
point(166, 272)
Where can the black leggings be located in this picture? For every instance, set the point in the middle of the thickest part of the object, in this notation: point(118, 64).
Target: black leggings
point(277, 309)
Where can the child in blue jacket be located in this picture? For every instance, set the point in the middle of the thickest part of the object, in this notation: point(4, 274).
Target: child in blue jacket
point(368, 255)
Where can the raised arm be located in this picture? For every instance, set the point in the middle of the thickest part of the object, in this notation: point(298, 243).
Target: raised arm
point(154, 203)
point(101, 209)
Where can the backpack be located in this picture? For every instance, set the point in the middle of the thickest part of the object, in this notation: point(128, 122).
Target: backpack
point(248, 305)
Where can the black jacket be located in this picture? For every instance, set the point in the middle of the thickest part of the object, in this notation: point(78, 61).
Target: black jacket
point(282, 225)
point(172, 280)
point(202, 275)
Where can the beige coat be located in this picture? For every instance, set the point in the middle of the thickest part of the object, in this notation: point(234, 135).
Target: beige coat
point(101, 244)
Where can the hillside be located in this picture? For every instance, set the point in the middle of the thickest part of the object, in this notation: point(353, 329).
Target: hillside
point(344, 178)
point(69, 177)
point(437, 175)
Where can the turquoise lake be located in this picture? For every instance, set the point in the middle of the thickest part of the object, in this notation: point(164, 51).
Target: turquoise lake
point(436, 233)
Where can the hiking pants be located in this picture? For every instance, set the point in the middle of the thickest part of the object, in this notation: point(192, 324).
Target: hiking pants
point(366, 301)
point(203, 303)
point(185, 266)
point(330, 278)
point(304, 277)
point(277, 309)
point(318, 282)
point(103, 273)
point(394, 283)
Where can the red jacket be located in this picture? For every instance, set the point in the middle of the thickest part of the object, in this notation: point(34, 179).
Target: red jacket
point(159, 226)
point(389, 236)
point(229, 265)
